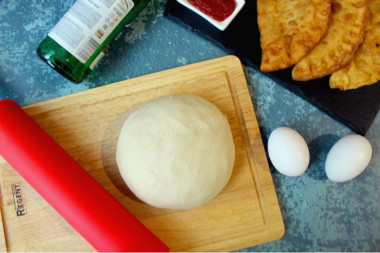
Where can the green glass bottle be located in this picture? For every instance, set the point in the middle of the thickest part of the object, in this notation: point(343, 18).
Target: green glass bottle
point(76, 43)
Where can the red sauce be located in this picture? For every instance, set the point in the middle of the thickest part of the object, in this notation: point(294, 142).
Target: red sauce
point(216, 9)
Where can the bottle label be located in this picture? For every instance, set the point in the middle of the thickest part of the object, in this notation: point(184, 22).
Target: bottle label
point(87, 24)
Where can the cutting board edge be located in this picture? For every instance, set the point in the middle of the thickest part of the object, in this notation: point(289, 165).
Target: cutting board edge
point(171, 76)
point(3, 242)
point(276, 222)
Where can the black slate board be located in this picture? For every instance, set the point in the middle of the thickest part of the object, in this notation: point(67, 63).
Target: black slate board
point(355, 108)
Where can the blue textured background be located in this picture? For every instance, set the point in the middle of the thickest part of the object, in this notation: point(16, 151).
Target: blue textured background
point(319, 215)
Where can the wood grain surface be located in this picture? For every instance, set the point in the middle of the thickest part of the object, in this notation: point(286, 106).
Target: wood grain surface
point(87, 125)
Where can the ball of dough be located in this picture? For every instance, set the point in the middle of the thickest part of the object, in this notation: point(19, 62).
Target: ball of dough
point(176, 152)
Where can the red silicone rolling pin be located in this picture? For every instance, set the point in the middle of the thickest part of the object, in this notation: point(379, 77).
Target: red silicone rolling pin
point(68, 188)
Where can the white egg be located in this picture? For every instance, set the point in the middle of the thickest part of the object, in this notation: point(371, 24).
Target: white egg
point(288, 151)
point(348, 158)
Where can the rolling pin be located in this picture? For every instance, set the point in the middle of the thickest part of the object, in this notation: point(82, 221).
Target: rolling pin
point(68, 188)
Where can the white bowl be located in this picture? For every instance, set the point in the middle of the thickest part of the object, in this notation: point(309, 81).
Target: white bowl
point(220, 25)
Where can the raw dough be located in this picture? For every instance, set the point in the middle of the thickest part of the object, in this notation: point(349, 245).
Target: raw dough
point(176, 152)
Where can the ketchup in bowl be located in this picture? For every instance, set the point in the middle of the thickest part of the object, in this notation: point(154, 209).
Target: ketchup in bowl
point(216, 9)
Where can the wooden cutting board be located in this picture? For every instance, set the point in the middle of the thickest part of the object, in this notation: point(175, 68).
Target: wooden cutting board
point(87, 125)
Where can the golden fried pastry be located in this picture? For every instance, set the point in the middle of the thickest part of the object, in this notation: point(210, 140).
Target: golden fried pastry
point(337, 48)
point(289, 29)
point(364, 69)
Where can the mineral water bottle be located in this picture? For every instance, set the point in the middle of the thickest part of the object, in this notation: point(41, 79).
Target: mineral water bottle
point(76, 43)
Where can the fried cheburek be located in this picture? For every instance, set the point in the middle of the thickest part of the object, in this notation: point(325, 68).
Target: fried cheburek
point(344, 35)
point(364, 69)
point(289, 29)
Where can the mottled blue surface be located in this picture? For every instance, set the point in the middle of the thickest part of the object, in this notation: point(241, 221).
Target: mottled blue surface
point(319, 215)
